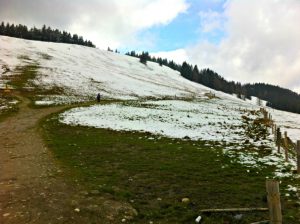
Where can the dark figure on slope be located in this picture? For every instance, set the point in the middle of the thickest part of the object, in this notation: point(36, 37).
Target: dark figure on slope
point(98, 97)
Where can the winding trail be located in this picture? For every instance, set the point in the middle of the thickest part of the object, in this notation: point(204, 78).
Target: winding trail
point(33, 189)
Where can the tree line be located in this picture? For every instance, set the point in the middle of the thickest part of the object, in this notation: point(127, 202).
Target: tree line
point(43, 34)
point(145, 56)
point(276, 96)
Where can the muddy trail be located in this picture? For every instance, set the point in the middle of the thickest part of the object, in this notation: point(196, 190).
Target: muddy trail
point(33, 186)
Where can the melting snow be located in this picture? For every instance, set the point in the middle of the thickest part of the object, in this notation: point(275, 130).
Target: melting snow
point(215, 120)
point(84, 71)
point(206, 119)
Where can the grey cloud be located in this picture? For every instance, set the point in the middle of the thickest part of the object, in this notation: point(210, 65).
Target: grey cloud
point(105, 22)
point(56, 13)
point(262, 43)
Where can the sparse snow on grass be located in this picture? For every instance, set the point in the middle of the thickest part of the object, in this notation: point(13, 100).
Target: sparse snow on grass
point(292, 188)
point(59, 99)
point(3, 107)
point(7, 104)
point(218, 120)
point(256, 101)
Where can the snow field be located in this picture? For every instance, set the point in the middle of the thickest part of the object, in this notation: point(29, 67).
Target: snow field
point(287, 121)
point(84, 71)
point(217, 120)
point(206, 119)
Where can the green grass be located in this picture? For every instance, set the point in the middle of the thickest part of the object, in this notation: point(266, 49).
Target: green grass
point(155, 174)
point(7, 113)
point(13, 108)
point(23, 74)
point(22, 79)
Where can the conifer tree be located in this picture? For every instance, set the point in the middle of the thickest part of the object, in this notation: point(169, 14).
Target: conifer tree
point(144, 57)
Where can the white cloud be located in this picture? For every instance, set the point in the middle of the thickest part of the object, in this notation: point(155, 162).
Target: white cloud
point(106, 23)
point(146, 13)
point(211, 21)
point(121, 25)
point(261, 43)
point(177, 56)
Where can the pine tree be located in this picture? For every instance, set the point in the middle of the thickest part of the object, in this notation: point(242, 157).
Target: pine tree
point(75, 38)
point(186, 70)
point(80, 40)
point(195, 74)
point(2, 29)
point(160, 61)
point(144, 57)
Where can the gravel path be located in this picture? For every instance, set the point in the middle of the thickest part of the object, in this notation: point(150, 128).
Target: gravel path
point(33, 188)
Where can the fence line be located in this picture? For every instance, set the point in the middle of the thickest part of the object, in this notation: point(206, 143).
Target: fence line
point(283, 141)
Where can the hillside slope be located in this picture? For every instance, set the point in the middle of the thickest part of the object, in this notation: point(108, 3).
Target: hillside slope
point(82, 71)
point(67, 73)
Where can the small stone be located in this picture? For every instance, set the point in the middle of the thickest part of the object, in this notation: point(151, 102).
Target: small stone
point(123, 220)
point(159, 199)
point(150, 222)
point(198, 219)
point(134, 212)
point(185, 200)
point(6, 214)
point(238, 216)
point(77, 210)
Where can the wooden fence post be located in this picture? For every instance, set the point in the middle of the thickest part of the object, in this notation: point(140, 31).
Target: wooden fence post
point(285, 140)
point(298, 156)
point(275, 133)
point(265, 115)
point(278, 139)
point(274, 201)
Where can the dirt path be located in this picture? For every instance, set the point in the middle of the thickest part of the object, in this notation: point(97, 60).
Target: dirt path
point(32, 186)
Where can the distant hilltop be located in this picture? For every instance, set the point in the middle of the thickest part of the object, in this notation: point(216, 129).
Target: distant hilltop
point(44, 34)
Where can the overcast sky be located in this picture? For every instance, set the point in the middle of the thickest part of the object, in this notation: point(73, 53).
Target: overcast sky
point(242, 40)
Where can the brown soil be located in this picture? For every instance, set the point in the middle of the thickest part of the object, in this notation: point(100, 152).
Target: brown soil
point(33, 186)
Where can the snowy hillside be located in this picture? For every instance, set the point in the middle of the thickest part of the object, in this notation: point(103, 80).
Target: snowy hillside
point(82, 71)
point(165, 104)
